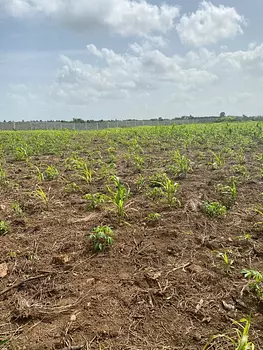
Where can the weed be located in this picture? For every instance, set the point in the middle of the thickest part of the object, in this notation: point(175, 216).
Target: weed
point(101, 238)
point(17, 209)
point(71, 187)
point(95, 200)
point(153, 217)
point(4, 228)
point(50, 173)
point(214, 209)
point(255, 281)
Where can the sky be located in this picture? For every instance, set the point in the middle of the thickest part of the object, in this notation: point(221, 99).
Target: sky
point(120, 59)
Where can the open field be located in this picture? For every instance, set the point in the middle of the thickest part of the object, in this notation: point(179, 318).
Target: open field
point(184, 204)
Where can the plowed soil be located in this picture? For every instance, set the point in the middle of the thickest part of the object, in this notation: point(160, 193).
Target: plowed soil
point(161, 285)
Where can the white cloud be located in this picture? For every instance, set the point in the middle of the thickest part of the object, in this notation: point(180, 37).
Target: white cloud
point(210, 24)
point(124, 76)
point(125, 17)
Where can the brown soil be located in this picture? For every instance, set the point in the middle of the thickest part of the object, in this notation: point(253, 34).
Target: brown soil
point(160, 286)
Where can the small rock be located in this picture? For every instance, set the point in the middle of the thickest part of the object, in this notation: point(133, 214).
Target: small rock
point(228, 307)
point(195, 268)
point(60, 259)
point(3, 270)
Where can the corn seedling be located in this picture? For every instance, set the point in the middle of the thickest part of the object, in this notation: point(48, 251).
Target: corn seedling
point(43, 196)
point(140, 182)
point(95, 200)
point(119, 195)
point(155, 193)
point(228, 193)
point(21, 154)
point(101, 238)
point(4, 228)
point(240, 170)
point(217, 161)
point(182, 165)
point(255, 281)
point(2, 175)
point(241, 339)
point(214, 209)
point(226, 260)
point(170, 189)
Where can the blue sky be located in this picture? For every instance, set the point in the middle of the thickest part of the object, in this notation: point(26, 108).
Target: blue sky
point(121, 59)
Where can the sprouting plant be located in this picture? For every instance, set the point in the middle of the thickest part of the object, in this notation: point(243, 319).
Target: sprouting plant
point(214, 209)
point(2, 175)
point(157, 180)
point(95, 200)
point(85, 172)
point(240, 170)
point(119, 195)
point(101, 238)
point(42, 195)
point(170, 189)
point(140, 182)
point(155, 193)
point(21, 154)
point(217, 161)
point(153, 217)
point(182, 164)
point(138, 162)
point(255, 281)
point(227, 261)
point(3, 342)
point(228, 193)
point(50, 173)
point(72, 187)
point(17, 208)
point(241, 339)
point(4, 228)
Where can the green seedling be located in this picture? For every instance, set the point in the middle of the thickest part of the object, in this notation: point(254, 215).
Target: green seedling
point(72, 187)
point(228, 193)
point(51, 173)
point(4, 228)
point(153, 217)
point(119, 195)
point(182, 165)
point(21, 154)
point(255, 281)
point(43, 196)
point(140, 182)
point(217, 161)
point(227, 261)
point(241, 339)
point(95, 200)
point(214, 209)
point(101, 238)
point(17, 209)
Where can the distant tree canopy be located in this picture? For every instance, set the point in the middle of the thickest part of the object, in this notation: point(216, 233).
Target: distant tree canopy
point(222, 114)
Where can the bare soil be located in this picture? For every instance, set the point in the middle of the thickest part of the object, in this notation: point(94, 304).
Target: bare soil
point(160, 286)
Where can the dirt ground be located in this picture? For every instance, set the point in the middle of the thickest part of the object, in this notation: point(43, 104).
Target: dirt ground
point(160, 285)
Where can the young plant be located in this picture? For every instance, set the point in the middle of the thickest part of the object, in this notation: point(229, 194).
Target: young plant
point(4, 228)
point(217, 161)
point(43, 196)
point(21, 154)
point(101, 238)
point(170, 189)
point(228, 193)
point(214, 209)
point(17, 209)
point(140, 182)
point(227, 261)
point(95, 200)
point(241, 339)
point(119, 195)
point(51, 173)
point(2, 175)
point(71, 187)
point(182, 165)
point(255, 281)
point(153, 218)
